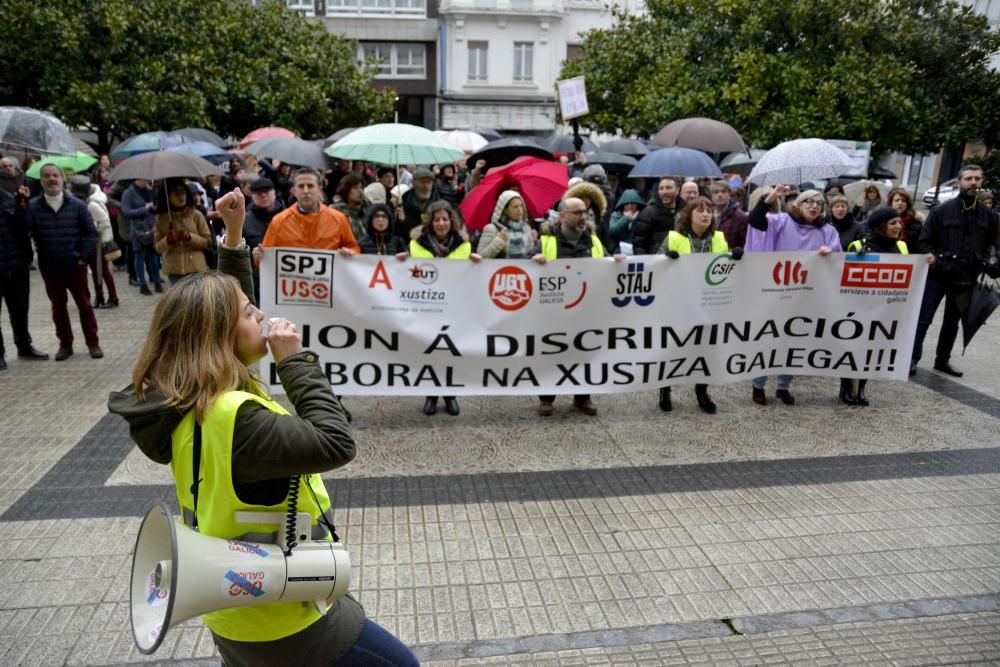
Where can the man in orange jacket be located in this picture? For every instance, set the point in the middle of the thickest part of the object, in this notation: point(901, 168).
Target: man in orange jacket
point(308, 223)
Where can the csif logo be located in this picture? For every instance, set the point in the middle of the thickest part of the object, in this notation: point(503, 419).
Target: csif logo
point(510, 288)
point(876, 276)
point(788, 273)
point(719, 270)
point(635, 284)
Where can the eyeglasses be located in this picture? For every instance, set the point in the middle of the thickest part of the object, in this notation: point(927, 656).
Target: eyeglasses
point(814, 202)
point(579, 211)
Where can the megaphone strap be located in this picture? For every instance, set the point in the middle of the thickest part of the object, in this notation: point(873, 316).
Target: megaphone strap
point(196, 468)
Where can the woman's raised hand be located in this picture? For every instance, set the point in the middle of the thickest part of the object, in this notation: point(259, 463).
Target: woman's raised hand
point(233, 209)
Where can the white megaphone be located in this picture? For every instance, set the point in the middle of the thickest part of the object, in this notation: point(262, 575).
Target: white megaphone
point(178, 573)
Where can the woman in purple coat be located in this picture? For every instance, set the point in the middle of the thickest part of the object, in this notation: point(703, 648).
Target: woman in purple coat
point(803, 227)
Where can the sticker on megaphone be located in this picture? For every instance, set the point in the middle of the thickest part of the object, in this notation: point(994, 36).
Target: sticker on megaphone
point(155, 596)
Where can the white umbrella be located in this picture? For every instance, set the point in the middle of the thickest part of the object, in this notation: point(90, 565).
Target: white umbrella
point(856, 190)
point(470, 142)
point(800, 160)
point(35, 131)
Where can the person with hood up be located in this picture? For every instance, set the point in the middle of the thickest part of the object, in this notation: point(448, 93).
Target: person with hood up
point(627, 208)
point(379, 238)
point(441, 235)
point(181, 234)
point(198, 388)
point(696, 232)
point(653, 223)
point(803, 227)
point(96, 201)
point(885, 227)
point(509, 234)
point(848, 229)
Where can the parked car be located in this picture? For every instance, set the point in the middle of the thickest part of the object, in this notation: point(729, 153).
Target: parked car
point(949, 190)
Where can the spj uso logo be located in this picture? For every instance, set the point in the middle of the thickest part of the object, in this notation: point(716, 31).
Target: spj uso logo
point(636, 284)
point(304, 278)
point(510, 288)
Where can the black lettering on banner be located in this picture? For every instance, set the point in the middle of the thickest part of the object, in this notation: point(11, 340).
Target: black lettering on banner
point(567, 374)
point(443, 342)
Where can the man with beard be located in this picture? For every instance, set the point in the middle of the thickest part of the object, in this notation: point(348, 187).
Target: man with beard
point(264, 206)
point(655, 221)
point(960, 234)
point(417, 200)
point(729, 219)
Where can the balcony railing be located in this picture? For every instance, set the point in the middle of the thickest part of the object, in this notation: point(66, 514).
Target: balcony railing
point(377, 7)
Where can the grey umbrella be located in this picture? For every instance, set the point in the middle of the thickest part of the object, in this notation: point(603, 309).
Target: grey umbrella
point(35, 131)
point(705, 134)
point(290, 150)
point(632, 147)
point(337, 136)
point(157, 165)
point(613, 163)
point(201, 134)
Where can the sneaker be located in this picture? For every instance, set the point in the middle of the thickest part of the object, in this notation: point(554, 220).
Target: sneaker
point(545, 409)
point(144, 290)
point(64, 353)
point(587, 407)
point(96, 352)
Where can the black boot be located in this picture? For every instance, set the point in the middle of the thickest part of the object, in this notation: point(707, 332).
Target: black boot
point(861, 398)
point(704, 400)
point(99, 302)
point(847, 392)
point(665, 403)
point(431, 405)
point(451, 405)
point(112, 302)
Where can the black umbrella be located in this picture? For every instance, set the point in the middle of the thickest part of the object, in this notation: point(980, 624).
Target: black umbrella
point(613, 163)
point(487, 133)
point(976, 308)
point(879, 172)
point(503, 151)
point(563, 143)
point(632, 147)
point(158, 165)
point(201, 134)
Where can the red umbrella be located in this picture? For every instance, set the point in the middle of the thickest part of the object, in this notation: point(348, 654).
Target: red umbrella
point(265, 133)
point(540, 182)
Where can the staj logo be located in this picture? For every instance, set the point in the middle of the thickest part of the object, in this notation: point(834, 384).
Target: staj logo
point(788, 272)
point(635, 284)
point(876, 276)
point(510, 288)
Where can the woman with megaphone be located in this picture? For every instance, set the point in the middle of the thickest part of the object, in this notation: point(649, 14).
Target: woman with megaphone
point(192, 391)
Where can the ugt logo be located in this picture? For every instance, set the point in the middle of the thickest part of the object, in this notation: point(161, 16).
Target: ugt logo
point(635, 284)
point(789, 273)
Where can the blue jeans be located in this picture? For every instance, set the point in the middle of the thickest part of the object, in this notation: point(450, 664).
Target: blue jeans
point(784, 382)
point(145, 256)
point(376, 647)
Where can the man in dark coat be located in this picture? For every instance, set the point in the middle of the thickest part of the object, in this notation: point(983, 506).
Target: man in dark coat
point(961, 234)
point(655, 221)
point(729, 218)
point(15, 282)
point(264, 206)
point(66, 237)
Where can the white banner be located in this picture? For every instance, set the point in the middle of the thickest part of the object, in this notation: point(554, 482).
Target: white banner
point(446, 327)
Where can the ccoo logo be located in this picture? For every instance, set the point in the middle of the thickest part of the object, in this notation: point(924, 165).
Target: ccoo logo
point(789, 273)
point(510, 288)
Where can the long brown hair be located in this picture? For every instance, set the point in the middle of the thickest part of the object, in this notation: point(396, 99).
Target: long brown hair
point(190, 351)
point(906, 195)
point(697, 204)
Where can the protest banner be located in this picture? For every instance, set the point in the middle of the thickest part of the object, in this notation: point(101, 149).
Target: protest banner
point(421, 326)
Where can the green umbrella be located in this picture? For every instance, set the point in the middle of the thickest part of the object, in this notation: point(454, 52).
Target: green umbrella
point(395, 143)
point(78, 163)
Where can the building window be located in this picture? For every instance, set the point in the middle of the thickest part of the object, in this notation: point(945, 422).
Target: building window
point(477, 61)
point(304, 6)
point(377, 7)
point(523, 58)
point(396, 61)
point(573, 52)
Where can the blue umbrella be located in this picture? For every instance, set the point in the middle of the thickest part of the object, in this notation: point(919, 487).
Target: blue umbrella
point(675, 161)
point(205, 150)
point(147, 143)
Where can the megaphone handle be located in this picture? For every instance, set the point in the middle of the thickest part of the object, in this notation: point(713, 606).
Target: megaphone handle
point(291, 534)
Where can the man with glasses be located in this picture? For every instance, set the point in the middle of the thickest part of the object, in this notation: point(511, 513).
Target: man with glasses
point(570, 237)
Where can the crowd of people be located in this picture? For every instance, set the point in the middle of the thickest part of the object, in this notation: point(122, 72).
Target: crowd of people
point(172, 229)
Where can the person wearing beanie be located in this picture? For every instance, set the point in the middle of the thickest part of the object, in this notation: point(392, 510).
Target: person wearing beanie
point(840, 217)
point(96, 201)
point(375, 193)
point(885, 226)
point(594, 173)
point(509, 232)
point(961, 234)
point(803, 227)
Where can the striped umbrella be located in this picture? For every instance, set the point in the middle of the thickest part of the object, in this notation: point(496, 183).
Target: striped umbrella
point(395, 143)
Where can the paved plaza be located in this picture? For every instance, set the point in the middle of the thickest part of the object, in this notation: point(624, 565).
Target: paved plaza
point(816, 534)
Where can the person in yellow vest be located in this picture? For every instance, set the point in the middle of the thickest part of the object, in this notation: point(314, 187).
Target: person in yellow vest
point(696, 232)
point(885, 226)
point(571, 236)
point(191, 393)
point(441, 235)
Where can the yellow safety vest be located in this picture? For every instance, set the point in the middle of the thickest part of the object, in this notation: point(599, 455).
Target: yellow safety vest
point(855, 246)
point(218, 503)
point(463, 251)
point(550, 246)
point(682, 244)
